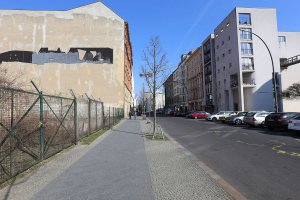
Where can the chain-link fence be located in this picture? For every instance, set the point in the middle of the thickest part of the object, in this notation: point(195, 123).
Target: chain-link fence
point(34, 126)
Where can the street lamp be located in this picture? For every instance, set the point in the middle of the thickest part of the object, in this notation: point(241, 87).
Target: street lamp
point(273, 71)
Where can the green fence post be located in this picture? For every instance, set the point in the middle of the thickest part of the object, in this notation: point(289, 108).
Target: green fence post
point(96, 116)
point(89, 113)
point(75, 120)
point(108, 117)
point(11, 131)
point(113, 115)
point(42, 144)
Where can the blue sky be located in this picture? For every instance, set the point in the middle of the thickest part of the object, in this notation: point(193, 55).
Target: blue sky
point(181, 24)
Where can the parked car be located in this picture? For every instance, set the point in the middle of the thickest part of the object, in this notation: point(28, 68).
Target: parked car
point(256, 118)
point(215, 117)
point(279, 119)
point(236, 119)
point(198, 114)
point(224, 117)
point(294, 123)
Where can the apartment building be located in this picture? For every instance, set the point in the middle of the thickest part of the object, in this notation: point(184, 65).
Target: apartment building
point(209, 84)
point(195, 90)
point(243, 64)
point(180, 85)
point(169, 87)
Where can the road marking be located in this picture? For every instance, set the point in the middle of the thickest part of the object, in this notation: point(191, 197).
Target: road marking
point(257, 145)
point(279, 150)
point(219, 180)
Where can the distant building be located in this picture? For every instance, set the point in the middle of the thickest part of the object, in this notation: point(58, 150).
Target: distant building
point(209, 80)
point(86, 49)
point(180, 85)
point(195, 87)
point(148, 98)
point(169, 97)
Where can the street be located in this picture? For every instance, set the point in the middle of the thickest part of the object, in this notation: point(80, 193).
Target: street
point(258, 163)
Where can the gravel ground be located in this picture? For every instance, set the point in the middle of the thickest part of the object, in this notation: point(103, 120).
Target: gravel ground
point(175, 175)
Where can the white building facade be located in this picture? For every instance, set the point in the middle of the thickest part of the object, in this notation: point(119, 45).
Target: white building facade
point(243, 64)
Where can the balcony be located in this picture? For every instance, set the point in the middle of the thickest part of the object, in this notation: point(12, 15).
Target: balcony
point(247, 68)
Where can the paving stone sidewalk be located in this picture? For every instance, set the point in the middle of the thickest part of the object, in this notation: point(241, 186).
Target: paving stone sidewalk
point(121, 164)
point(175, 175)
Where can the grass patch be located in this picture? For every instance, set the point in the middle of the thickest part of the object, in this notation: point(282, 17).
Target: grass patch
point(157, 136)
point(91, 138)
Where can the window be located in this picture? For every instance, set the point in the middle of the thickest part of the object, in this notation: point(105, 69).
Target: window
point(228, 24)
point(229, 51)
point(217, 46)
point(222, 30)
point(224, 68)
point(223, 55)
point(230, 65)
point(228, 38)
point(218, 58)
point(224, 81)
point(222, 42)
point(281, 39)
point(244, 19)
point(245, 34)
point(218, 71)
point(246, 48)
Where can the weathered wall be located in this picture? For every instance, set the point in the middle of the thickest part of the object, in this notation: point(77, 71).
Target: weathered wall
point(91, 26)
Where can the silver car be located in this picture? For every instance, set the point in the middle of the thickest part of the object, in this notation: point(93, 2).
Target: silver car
point(236, 119)
point(255, 118)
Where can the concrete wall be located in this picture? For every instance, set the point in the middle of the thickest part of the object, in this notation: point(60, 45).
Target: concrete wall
point(290, 75)
point(91, 26)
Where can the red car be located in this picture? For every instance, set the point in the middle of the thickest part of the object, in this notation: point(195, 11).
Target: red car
point(199, 114)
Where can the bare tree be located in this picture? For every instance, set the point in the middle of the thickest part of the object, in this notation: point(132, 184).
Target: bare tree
point(12, 80)
point(292, 91)
point(155, 62)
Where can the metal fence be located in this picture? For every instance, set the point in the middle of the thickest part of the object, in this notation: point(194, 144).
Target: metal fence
point(35, 126)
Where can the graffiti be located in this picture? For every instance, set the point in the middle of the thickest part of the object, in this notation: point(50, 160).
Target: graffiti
point(75, 55)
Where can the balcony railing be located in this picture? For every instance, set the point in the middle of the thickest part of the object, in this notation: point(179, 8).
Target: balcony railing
point(249, 83)
point(247, 67)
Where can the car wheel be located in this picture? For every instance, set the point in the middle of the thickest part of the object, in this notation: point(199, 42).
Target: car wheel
point(263, 124)
point(238, 122)
point(214, 119)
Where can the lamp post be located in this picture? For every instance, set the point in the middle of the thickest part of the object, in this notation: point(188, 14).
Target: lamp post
point(273, 71)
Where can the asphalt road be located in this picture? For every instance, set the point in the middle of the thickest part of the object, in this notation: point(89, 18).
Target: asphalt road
point(258, 163)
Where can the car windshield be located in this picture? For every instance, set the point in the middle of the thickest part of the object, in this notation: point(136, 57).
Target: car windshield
point(250, 114)
point(242, 114)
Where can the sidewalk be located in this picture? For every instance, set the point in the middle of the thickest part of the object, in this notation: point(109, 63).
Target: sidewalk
point(121, 164)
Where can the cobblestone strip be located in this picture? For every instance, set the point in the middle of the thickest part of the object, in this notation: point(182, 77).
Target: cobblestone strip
point(26, 187)
point(176, 176)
